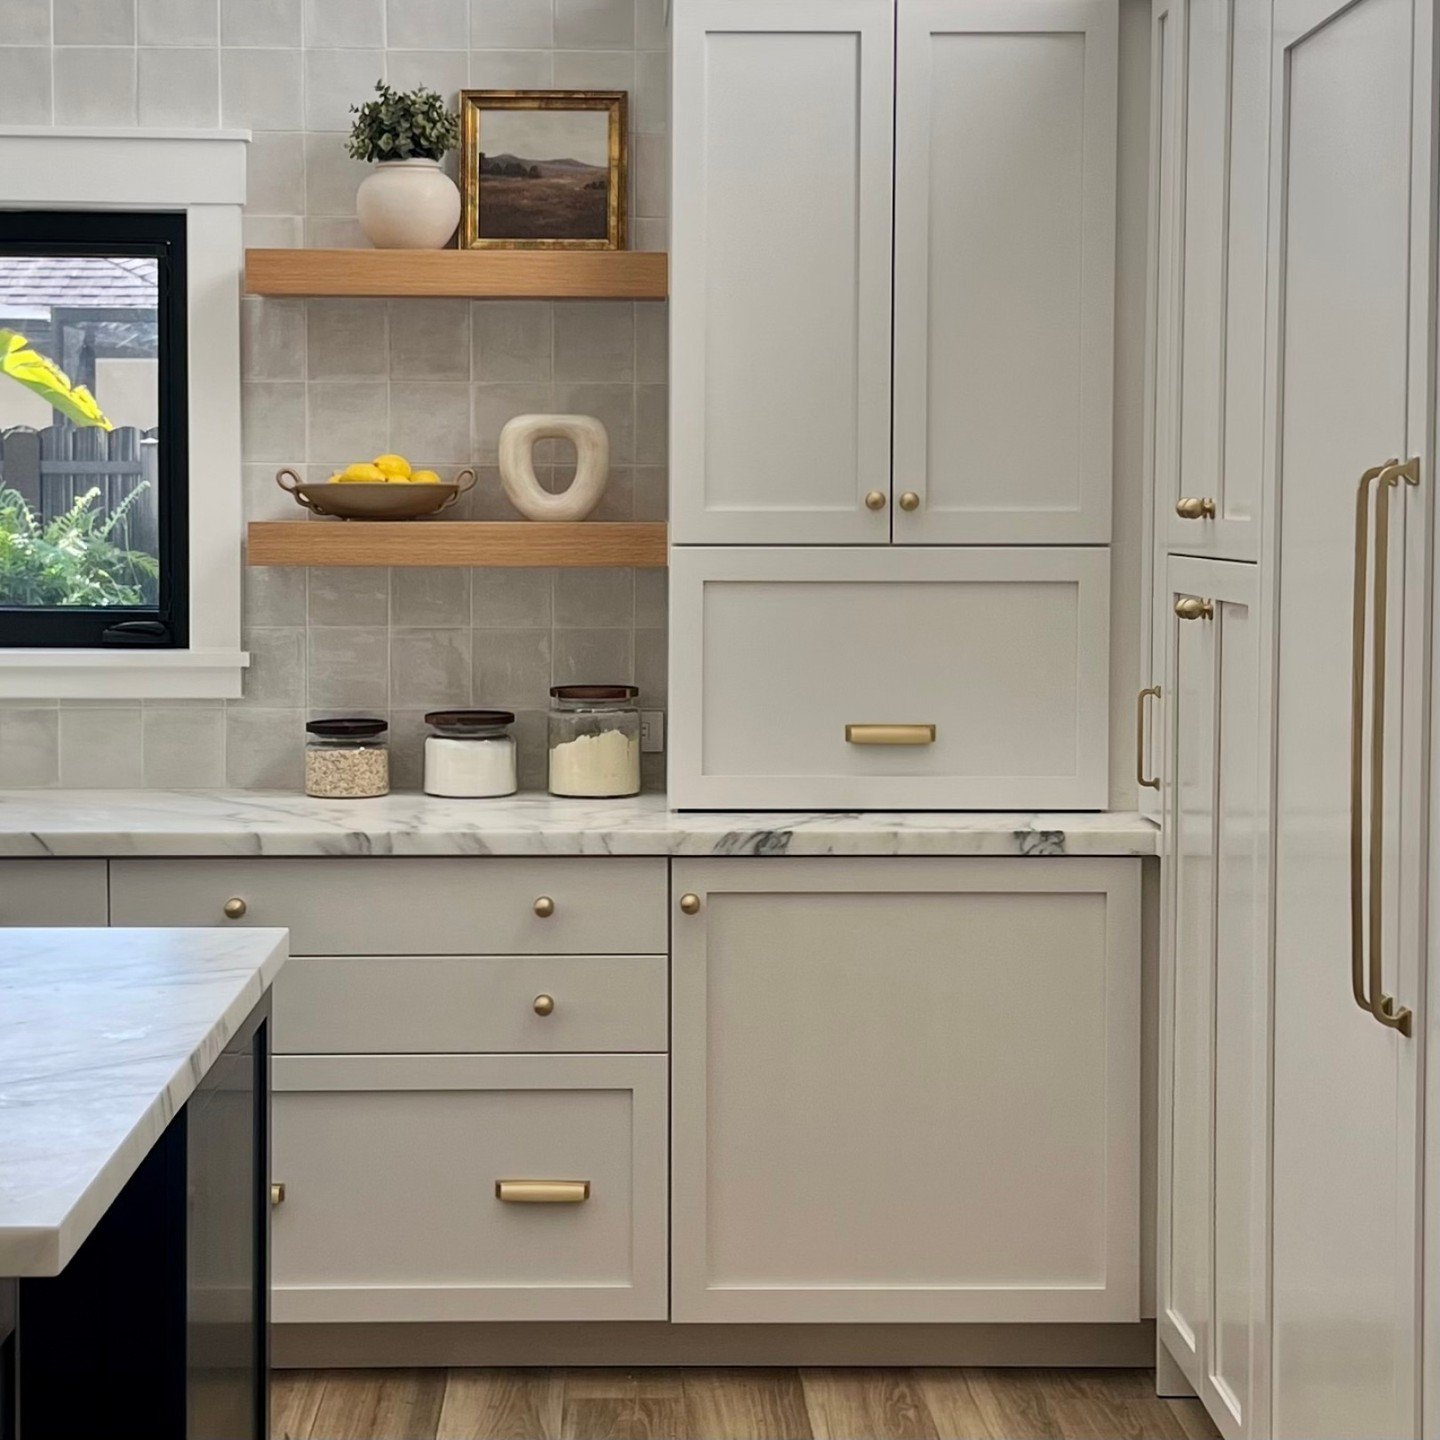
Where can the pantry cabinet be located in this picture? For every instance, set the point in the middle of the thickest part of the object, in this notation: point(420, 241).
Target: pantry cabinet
point(1214, 1091)
point(1004, 271)
point(803, 139)
point(944, 1129)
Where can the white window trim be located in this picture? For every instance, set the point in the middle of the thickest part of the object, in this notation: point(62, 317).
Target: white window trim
point(203, 173)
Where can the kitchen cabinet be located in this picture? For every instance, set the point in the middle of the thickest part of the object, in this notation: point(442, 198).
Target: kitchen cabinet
point(938, 1128)
point(962, 677)
point(803, 139)
point(1214, 1013)
point(470, 1187)
point(53, 892)
point(1004, 271)
point(780, 266)
point(1352, 304)
point(1212, 117)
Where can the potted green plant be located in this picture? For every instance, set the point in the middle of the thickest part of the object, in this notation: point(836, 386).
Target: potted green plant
point(407, 202)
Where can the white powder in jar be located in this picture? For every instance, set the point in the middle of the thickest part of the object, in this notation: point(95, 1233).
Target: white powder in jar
point(596, 765)
point(469, 769)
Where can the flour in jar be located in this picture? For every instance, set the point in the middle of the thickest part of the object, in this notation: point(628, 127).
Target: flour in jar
point(596, 765)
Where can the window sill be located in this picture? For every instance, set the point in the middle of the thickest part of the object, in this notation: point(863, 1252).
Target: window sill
point(121, 674)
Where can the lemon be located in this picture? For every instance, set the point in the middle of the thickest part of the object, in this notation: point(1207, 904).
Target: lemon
point(335, 478)
point(393, 467)
point(362, 474)
point(424, 477)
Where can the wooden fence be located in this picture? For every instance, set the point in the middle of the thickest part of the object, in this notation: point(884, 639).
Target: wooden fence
point(51, 468)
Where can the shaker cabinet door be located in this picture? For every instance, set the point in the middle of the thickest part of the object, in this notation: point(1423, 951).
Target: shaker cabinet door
point(1004, 271)
point(780, 271)
point(1210, 493)
point(940, 1130)
point(1213, 1030)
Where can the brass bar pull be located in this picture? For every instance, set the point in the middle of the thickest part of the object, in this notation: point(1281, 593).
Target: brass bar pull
point(542, 1192)
point(1357, 739)
point(1384, 1007)
point(277, 1193)
point(889, 734)
point(1140, 700)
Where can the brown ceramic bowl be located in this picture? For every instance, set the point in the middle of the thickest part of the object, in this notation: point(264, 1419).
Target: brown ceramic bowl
point(363, 501)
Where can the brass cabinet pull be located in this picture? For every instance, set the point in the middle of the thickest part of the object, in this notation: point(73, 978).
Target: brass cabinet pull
point(1144, 695)
point(875, 500)
point(543, 1005)
point(909, 501)
point(234, 908)
point(889, 734)
point(542, 1192)
point(1189, 608)
point(690, 904)
point(277, 1193)
point(544, 907)
point(1193, 507)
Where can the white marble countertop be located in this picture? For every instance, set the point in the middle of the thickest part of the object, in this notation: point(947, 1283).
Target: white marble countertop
point(104, 1035)
point(107, 823)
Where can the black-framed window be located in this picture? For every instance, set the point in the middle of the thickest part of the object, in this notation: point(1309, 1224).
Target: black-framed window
point(93, 430)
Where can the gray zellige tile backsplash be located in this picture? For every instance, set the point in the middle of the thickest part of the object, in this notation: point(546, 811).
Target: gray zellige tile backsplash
point(331, 381)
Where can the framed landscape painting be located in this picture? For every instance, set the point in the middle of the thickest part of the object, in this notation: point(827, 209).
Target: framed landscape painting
point(543, 169)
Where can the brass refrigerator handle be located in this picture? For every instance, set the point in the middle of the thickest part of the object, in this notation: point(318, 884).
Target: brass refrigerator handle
point(1357, 738)
point(1384, 1007)
point(1146, 693)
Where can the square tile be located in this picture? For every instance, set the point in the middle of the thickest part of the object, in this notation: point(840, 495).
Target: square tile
point(100, 749)
point(447, 72)
point(650, 112)
point(275, 166)
point(342, 596)
point(350, 668)
point(495, 405)
point(652, 341)
point(511, 340)
point(430, 422)
point(183, 749)
point(437, 599)
point(429, 669)
point(346, 339)
point(652, 598)
point(594, 657)
point(652, 424)
point(512, 24)
point(652, 30)
point(331, 180)
point(595, 24)
point(594, 599)
point(25, 97)
point(652, 667)
point(511, 669)
point(94, 86)
point(652, 492)
point(275, 678)
point(348, 421)
point(596, 70)
point(27, 22)
point(344, 22)
point(612, 405)
point(179, 22)
point(272, 338)
point(274, 595)
point(260, 22)
point(29, 747)
point(334, 81)
point(261, 89)
point(511, 69)
point(595, 340)
point(94, 22)
point(272, 421)
point(651, 154)
point(265, 749)
point(427, 24)
point(179, 88)
point(506, 599)
point(429, 339)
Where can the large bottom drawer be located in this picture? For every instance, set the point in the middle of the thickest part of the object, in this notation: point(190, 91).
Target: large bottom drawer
point(391, 1167)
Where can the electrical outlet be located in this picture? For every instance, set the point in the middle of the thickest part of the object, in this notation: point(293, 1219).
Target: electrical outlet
point(652, 731)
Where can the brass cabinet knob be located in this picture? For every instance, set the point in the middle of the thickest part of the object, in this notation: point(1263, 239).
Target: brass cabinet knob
point(690, 904)
point(875, 500)
point(277, 1193)
point(544, 907)
point(909, 501)
point(1195, 508)
point(1189, 608)
point(235, 907)
point(544, 1004)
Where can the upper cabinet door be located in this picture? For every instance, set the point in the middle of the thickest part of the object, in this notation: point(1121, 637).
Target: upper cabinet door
point(1004, 271)
point(1210, 492)
point(780, 271)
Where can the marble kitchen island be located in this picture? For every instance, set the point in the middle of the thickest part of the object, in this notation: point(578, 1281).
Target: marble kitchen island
point(134, 1180)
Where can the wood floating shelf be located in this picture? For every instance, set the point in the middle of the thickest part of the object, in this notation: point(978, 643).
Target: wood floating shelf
point(456, 542)
point(472, 274)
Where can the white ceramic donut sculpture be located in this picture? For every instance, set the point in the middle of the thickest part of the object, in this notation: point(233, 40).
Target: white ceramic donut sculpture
point(517, 465)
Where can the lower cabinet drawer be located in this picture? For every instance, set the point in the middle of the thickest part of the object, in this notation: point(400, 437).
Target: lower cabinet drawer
point(898, 677)
point(391, 1166)
point(53, 892)
point(411, 1004)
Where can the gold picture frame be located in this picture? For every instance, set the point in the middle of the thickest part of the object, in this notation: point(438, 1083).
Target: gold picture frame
point(540, 191)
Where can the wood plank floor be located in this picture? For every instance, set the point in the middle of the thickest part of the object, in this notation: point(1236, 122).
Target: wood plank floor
point(970, 1404)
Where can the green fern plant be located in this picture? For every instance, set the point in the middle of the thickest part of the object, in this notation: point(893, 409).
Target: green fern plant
point(403, 125)
point(72, 559)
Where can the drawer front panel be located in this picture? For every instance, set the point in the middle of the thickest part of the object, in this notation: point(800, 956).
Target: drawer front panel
point(382, 906)
point(471, 1004)
point(53, 892)
point(1002, 651)
point(390, 1167)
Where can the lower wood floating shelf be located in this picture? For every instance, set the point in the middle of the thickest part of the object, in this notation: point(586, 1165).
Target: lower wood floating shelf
point(456, 542)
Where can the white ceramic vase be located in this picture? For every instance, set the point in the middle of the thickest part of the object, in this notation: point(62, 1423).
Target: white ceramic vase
point(408, 205)
point(517, 465)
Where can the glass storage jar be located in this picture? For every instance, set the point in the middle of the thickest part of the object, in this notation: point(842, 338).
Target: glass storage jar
point(470, 754)
point(347, 759)
point(594, 740)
